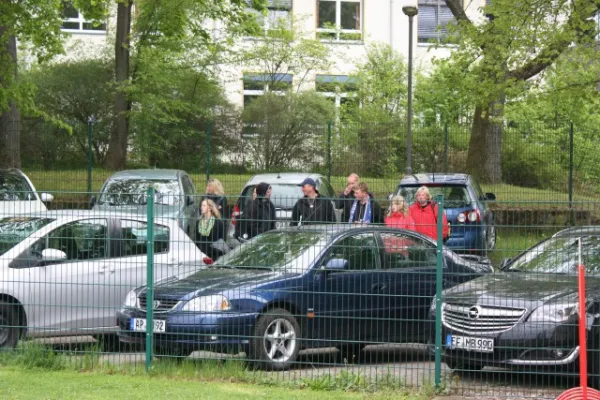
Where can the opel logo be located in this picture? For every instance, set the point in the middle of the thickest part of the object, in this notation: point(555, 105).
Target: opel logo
point(155, 304)
point(474, 312)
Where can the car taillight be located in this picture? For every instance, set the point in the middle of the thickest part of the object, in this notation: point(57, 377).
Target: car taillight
point(235, 214)
point(207, 260)
point(469, 216)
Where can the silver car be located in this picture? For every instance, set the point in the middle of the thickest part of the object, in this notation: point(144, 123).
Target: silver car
point(125, 191)
point(66, 272)
point(17, 194)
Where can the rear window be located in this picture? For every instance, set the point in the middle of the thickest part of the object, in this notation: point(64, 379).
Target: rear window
point(455, 196)
point(126, 192)
point(282, 196)
point(15, 229)
point(15, 188)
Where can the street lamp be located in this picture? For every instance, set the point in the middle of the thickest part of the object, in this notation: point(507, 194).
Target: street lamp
point(409, 11)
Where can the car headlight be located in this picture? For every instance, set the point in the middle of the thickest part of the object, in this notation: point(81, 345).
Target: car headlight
point(207, 304)
point(559, 312)
point(131, 299)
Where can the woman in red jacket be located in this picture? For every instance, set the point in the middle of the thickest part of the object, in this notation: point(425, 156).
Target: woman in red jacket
point(398, 215)
point(425, 214)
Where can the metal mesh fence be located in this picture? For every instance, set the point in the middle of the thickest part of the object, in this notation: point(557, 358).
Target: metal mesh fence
point(475, 293)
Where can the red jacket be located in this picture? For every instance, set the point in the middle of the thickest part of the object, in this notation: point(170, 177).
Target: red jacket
point(400, 221)
point(426, 220)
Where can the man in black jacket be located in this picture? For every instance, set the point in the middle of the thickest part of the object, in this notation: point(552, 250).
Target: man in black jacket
point(261, 211)
point(312, 208)
point(346, 198)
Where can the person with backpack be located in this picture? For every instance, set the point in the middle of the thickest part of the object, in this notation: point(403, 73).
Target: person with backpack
point(424, 212)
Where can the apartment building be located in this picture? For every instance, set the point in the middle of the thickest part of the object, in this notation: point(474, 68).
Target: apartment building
point(345, 26)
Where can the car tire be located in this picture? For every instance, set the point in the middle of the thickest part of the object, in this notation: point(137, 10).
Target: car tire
point(276, 343)
point(9, 326)
point(351, 353)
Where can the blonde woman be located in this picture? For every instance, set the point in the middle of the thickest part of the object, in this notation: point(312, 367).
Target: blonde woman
point(398, 215)
point(216, 193)
point(211, 228)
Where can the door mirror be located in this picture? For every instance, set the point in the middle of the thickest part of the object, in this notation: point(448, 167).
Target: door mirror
point(337, 264)
point(490, 196)
point(189, 200)
point(46, 197)
point(391, 195)
point(53, 255)
point(504, 263)
point(92, 202)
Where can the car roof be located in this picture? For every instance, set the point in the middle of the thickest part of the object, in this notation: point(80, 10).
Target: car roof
point(578, 231)
point(286, 178)
point(147, 174)
point(11, 171)
point(439, 178)
point(74, 213)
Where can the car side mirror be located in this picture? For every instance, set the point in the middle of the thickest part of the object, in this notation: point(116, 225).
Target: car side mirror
point(53, 255)
point(490, 196)
point(46, 197)
point(337, 264)
point(504, 263)
point(189, 200)
point(390, 196)
point(92, 202)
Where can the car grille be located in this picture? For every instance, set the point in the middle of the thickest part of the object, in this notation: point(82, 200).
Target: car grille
point(480, 320)
point(163, 304)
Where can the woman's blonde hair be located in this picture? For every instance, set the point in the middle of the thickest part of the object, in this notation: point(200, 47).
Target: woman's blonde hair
point(213, 208)
point(399, 201)
point(424, 189)
point(216, 186)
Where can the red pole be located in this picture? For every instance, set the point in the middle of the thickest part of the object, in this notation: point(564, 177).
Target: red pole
point(582, 338)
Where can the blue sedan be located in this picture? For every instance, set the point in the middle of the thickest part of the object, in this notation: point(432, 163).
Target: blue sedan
point(298, 288)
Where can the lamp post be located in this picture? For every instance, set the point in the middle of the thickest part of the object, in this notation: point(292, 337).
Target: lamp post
point(409, 11)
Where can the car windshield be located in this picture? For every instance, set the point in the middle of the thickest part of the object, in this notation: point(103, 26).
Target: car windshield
point(455, 196)
point(126, 192)
point(14, 229)
point(560, 255)
point(282, 196)
point(14, 187)
point(275, 250)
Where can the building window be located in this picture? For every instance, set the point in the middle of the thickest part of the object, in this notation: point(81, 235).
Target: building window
point(73, 21)
point(340, 89)
point(433, 16)
point(256, 85)
point(278, 12)
point(339, 19)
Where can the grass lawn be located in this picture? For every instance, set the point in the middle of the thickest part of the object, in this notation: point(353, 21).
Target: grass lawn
point(21, 384)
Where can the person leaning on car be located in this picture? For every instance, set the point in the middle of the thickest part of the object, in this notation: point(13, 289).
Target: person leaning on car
point(346, 198)
point(425, 214)
point(312, 208)
point(261, 211)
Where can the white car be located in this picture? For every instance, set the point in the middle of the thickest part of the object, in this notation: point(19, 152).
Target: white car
point(17, 194)
point(66, 272)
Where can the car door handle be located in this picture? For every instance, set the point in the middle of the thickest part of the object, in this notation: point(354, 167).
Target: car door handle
point(378, 287)
point(110, 268)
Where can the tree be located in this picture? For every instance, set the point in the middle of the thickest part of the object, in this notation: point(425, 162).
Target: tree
point(35, 22)
point(285, 125)
point(176, 27)
point(499, 59)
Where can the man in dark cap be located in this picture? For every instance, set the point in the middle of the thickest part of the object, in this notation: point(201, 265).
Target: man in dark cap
point(312, 208)
point(261, 211)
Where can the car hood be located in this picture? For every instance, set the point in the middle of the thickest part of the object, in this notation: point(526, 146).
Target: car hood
point(215, 280)
point(11, 208)
point(517, 289)
point(161, 210)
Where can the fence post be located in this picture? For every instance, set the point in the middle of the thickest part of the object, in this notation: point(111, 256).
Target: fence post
point(208, 126)
point(446, 147)
point(89, 157)
point(438, 290)
point(150, 279)
point(570, 167)
point(329, 151)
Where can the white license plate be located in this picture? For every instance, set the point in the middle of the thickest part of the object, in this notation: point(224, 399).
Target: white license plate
point(470, 343)
point(281, 224)
point(139, 325)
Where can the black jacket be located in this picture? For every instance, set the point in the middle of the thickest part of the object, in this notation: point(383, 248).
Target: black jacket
point(204, 243)
point(220, 201)
point(307, 211)
point(344, 203)
point(261, 216)
point(376, 213)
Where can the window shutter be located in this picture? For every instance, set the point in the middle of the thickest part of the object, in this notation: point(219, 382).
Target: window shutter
point(427, 22)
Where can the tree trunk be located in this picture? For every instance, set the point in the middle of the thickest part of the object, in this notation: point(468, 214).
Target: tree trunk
point(117, 145)
point(10, 119)
point(485, 147)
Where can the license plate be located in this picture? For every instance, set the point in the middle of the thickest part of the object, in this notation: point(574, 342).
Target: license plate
point(281, 224)
point(139, 325)
point(470, 343)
